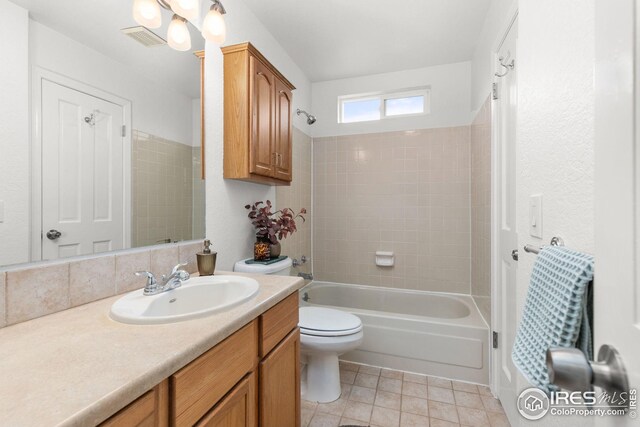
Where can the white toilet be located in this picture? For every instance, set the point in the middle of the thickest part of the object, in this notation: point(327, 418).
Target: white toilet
point(325, 334)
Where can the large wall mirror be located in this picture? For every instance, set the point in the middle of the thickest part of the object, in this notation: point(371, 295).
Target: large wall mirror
point(99, 134)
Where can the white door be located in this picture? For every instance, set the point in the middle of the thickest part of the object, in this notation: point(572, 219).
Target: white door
point(504, 318)
point(617, 197)
point(82, 173)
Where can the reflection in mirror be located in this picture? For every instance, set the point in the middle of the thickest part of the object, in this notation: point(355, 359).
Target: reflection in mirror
point(99, 132)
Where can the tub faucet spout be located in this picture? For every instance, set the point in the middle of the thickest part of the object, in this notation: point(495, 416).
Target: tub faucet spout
point(306, 276)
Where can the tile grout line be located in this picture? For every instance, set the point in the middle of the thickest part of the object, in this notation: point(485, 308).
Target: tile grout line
point(477, 416)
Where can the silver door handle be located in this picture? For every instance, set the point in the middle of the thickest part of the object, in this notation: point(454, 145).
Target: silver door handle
point(569, 369)
point(53, 234)
point(514, 254)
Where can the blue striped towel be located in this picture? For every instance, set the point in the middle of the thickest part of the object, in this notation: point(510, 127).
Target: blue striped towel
point(556, 312)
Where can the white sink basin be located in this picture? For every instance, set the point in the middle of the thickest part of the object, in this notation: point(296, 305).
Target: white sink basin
point(197, 297)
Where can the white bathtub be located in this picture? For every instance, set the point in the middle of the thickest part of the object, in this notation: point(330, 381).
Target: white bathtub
point(432, 333)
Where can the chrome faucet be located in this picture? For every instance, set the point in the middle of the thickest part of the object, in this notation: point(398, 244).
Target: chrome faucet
point(174, 280)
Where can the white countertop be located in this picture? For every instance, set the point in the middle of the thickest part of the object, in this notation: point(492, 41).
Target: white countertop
point(78, 367)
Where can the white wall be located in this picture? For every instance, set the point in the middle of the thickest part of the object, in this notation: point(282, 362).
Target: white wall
point(14, 133)
point(556, 60)
point(498, 16)
point(450, 95)
point(227, 226)
point(157, 109)
point(196, 137)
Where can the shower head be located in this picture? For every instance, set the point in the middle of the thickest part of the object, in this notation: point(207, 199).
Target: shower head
point(310, 118)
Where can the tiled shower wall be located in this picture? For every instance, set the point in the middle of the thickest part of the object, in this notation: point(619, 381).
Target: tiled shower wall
point(198, 195)
point(481, 210)
point(406, 192)
point(162, 190)
point(297, 196)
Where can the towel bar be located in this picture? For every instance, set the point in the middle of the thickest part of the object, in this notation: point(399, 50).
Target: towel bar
point(555, 241)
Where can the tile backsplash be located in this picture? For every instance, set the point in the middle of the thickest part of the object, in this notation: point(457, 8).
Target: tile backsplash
point(35, 290)
point(406, 192)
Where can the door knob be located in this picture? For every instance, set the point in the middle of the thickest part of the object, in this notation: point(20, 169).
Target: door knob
point(569, 368)
point(514, 254)
point(53, 234)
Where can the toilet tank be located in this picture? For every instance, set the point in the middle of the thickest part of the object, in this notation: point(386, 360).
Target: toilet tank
point(280, 268)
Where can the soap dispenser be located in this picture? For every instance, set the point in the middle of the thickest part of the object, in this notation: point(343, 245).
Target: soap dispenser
point(206, 260)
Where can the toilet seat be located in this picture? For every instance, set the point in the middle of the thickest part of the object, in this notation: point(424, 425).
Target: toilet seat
point(327, 322)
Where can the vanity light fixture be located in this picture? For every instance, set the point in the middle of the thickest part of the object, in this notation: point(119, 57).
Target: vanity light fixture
point(148, 14)
point(214, 28)
point(188, 9)
point(178, 36)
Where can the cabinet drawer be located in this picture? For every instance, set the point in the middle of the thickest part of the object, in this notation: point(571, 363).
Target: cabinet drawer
point(237, 409)
point(276, 323)
point(201, 384)
point(149, 410)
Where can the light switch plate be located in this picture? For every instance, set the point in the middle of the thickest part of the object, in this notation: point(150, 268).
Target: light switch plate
point(535, 215)
point(1, 211)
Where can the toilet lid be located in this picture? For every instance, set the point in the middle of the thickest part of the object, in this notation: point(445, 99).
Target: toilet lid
point(322, 321)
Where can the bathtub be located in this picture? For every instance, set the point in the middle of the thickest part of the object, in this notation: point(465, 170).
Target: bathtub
point(431, 333)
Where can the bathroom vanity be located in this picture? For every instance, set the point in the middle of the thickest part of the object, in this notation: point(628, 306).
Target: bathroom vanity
point(239, 367)
point(252, 375)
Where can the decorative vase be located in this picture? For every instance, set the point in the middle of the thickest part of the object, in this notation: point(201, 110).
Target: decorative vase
point(275, 250)
point(261, 250)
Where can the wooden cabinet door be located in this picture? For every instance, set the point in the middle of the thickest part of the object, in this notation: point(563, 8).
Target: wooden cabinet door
point(149, 410)
point(262, 146)
point(279, 399)
point(283, 132)
point(237, 409)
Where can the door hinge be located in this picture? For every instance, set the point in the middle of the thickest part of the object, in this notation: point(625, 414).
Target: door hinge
point(124, 131)
point(495, 339)
point(494, 91)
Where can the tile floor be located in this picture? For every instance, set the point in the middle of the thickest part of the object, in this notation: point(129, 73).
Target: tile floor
point(386, 398)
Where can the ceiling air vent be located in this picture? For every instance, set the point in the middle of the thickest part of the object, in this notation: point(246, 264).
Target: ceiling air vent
point(144, 36)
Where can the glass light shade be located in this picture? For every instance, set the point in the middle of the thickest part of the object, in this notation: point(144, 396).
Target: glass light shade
point(214, 28)
point(188, 9)
point(178, 36)
point(147, 13)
